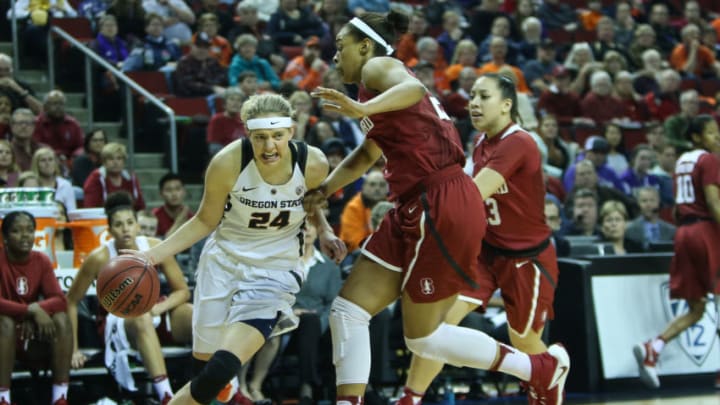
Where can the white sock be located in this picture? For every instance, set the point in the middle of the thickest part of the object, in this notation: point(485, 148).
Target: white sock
point(450, 344)
point(162, 386)
point(59, 390)
point(351, 342)
point(657, 345)
point(5, 395)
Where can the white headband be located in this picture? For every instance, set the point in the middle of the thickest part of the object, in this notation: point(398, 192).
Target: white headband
point(269, 123)
point(360, 24)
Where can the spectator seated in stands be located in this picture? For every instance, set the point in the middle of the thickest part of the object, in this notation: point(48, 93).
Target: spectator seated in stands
point(198, 74)
point(147, 222)
point(498, 52)
point(220, 48)
point(666, 34)
point(500, 28)
point(675, 125)
point(306, 70)
point(155, 52)
point(110, 177)
point(645, 80)
point(34, 324)
point(20, 93)
point(581, 63)
point(9, 170)
point(584, 214)
point(560, 153)
point(430, 53)
point(464, 56)
point(638, 174)
point(605, 41)
point(21, 131)
point(648, 227)
point(177, 18)
point(174, 212)
point(539, 71)
point(635, 109)
point(596, 151)
point(616, 159)
point(559, 100)
point(553, 218)
point(406, 49)
point(586, 177)
point(599, 104)
point(57, 129)
point(225, 127)
point(6, 111)
point(557, 15)
point(89, 160)
point(456, 102)
point(613, 221)
point(355, 223)
point(532, 29)
point(37, 15)
point(644, 40)
point(691, 58)
point(291, 24)
point(246, 59)
point(47, 168)
point(347, 129)
point(140, 333)
point(453, 23)
point(107, 43)
point(665, 166)
point(663, 103)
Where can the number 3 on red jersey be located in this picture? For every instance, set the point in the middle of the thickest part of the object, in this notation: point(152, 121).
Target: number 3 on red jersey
point(493, 213)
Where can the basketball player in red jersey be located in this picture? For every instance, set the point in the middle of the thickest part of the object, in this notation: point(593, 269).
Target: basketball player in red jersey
point(694, 268)
point(517, 256)
point(34, 325)
point(426, 248)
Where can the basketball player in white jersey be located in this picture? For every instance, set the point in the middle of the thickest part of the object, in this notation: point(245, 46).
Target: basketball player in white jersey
point(250, 268)
point(137, 332)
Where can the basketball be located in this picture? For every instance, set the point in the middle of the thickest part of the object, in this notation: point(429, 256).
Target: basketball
point(128, 286)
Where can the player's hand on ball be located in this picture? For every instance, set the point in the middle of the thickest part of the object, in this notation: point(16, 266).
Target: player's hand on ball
point(332, 246)
point(139, 254)
point(78, 359)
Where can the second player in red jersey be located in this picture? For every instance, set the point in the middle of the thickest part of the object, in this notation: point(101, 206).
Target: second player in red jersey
point(695, 266)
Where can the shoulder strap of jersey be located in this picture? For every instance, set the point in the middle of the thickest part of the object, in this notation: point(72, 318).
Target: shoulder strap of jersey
point(300, 154)
point(247, 154)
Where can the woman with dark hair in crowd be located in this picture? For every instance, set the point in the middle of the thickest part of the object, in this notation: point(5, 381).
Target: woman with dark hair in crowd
point(84, 164)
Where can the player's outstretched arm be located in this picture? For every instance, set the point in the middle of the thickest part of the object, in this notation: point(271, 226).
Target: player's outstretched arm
point(315, 173)
point(219, 180)
point(180, 292)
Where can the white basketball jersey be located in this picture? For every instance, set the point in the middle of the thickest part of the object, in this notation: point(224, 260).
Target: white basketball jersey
point(142, 244)
point(263, 223)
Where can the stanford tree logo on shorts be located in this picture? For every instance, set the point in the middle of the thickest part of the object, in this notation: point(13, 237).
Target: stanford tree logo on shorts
point(426, 286)
point(698, 340)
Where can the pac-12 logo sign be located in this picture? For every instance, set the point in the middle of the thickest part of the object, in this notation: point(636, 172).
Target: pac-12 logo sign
point(426, 286)
point(698, 340)
point(21, 286)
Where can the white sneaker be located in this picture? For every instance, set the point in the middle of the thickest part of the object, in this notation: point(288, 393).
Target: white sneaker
point(646, 358)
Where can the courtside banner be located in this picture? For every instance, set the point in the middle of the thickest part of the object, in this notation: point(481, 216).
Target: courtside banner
point(630, 309)
point(66, 277)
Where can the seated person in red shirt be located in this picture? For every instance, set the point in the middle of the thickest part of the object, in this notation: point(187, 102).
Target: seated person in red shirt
point(111, 177)
point(174, 212)
point(34, 324)
point(55, 128)
point(225, 127)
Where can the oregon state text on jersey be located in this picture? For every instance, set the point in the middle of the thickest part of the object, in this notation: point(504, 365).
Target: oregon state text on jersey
point(262, 224)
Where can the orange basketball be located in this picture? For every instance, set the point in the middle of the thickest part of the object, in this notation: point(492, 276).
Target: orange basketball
point(128, 286)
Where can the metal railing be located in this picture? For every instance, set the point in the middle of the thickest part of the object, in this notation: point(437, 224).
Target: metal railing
point(15, 40)
point(90, 57)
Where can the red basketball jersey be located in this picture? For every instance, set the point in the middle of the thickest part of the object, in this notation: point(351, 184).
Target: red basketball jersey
point(516, 212)
point(416, 141)
point(693, 171)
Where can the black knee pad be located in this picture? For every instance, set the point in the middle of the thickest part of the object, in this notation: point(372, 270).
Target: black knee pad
point(219, 370)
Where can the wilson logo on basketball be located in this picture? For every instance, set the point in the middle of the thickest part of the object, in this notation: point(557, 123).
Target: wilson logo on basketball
point(113, 294)
point(131, 306)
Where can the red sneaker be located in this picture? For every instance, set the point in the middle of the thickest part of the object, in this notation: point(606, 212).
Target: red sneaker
point(548, 376)
point(166, 399)
point(646, 358)
point(407, 398)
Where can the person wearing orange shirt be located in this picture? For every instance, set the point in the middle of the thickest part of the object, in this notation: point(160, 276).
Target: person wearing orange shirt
point(691, 57)
point(355, 221)
point(220, 48)
point(428, 50)
point(590, 17)
point(498, 50)
point(306, 70)
point(407, 44)
point(464, 56)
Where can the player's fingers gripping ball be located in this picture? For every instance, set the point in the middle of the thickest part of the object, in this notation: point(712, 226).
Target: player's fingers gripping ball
point(128, 286)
